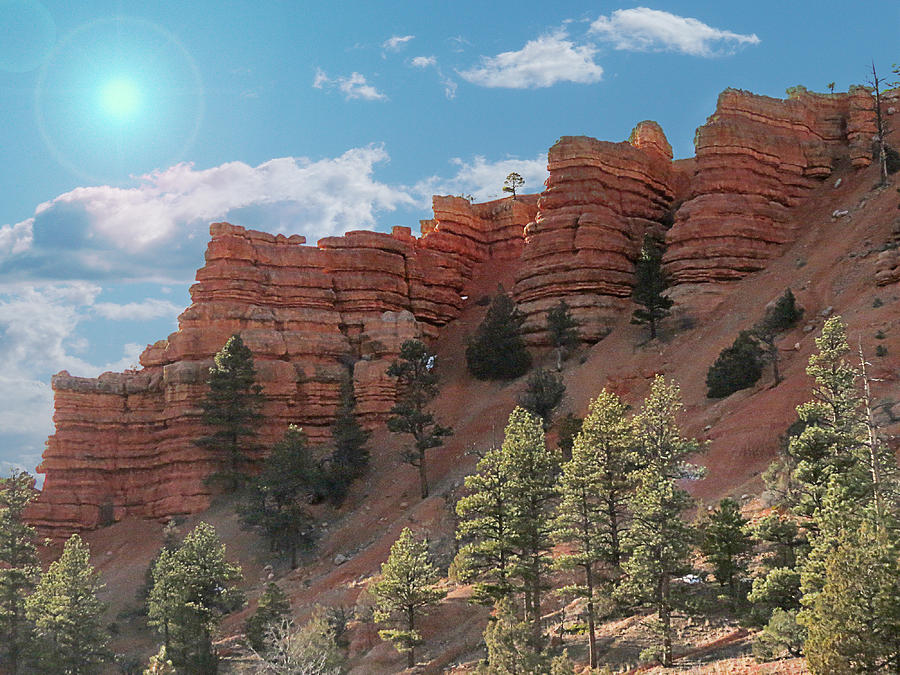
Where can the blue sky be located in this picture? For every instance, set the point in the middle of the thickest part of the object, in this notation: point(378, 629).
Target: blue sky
point(127, 127)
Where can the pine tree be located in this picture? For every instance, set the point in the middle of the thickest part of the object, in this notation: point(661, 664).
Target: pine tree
point(594, 487)
point(563, 331)
point(532, 470)
point(485, 525)
point(854, 622)
point(417, 384)
point(350, 457)
point(649, 285)
point(273, 607)
point(193, 587)
point(777, 319)
point(231, 408)
point(67, 616)
point(543, 393)
point(20, 566)
point(512, 183)
point(509, 646)
point(497, 350)
point(405, 591)
point(160, 664)
point(276, 503)
point(726, 544)
point(659, 541)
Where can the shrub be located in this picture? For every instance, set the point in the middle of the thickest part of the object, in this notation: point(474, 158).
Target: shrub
point(881, 350)
point(543, 393)
point(737, 367)
point(497, 350)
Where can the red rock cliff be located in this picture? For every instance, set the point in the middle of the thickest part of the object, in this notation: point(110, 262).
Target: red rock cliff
point(124, 441)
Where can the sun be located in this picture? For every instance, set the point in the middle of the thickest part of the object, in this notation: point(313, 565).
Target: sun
point(120, 98)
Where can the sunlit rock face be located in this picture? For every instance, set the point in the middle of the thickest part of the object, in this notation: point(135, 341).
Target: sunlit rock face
point(311, 315)
point(599, 201)
point(756, 158)
point(315, 315)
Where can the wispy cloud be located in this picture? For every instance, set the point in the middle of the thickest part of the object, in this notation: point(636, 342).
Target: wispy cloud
point(396, 42)
point(542, 62)
point(151, 308)
point(644, 29)
point(354, 86)
point(448, 83)
point(483, 179)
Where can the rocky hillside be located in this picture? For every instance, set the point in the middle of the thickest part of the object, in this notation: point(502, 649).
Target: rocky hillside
point(780, 194)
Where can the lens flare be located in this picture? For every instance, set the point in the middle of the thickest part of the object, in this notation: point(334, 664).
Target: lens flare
point(120, 98)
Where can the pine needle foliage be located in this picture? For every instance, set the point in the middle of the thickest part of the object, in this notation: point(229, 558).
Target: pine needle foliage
point(497, 351)
point(650, 285)
point(68, 618)
point(231, 409)
point(417, 381)
point(405, 591)
point(19, 565)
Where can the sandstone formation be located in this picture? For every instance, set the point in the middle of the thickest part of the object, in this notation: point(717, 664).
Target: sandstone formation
point(600, 199)
point(312, 316)
point(315, 315)
point(756, 158)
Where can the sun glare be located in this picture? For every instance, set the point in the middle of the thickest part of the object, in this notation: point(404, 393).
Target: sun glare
point(120, 98)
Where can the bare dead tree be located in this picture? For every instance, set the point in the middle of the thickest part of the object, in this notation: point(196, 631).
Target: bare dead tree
point(876, 83)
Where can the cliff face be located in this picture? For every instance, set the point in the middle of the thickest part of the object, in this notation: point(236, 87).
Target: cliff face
point(757, 157)
point(314, 315)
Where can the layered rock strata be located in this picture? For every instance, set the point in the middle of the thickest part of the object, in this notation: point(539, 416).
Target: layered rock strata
point(312, 316)
point(599, 200)
point(756, 158)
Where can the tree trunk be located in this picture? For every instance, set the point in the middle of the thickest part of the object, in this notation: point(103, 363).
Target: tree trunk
point(411, 626)
point(559, 359)
point(614, 533)
point(592, 636)
point(423, 476)
point(665, 618)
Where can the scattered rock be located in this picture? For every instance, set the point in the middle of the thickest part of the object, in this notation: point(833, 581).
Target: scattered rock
point(809, 328)
point(839, 213)
point(826, 312)
point(340, 559)
point(837, 183)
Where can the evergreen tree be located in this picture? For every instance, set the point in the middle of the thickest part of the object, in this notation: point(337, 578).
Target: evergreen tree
point(497, 350)
point(485, 525)
point(777, 319)
point(406, 589)
point(513, 182)
point(160, 664)
point(563, 331)
point(659, 541)
point(193, 587)
point(231, 408)
point(509, 646)
point(276, 504)
point(67, 616)
point(350, 457)
point(566, 431)
point(594, 486)
point(272, 609)
point(726, 544)
point(737, 367)
point(417, 385)
point(19, 565)
point(543, 393)
point(649, 285)
point(854, 622)
point(532, 470)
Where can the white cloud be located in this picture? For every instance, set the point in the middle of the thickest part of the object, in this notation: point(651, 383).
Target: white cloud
point(424, 61)
point(644, 29)
point(542, 62)
point(16, 238)
point(117, 225)
point(448, 83)
point(484, 180)
point(151, 308)
point(354, 86)
point(396, 42)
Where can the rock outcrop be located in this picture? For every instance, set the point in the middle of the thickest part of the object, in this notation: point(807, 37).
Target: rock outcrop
point(756, 158)
point(311, 315)
point(315, 315)
point(600, 199)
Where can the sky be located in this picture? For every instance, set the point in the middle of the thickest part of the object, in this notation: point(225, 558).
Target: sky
point(127, 127)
